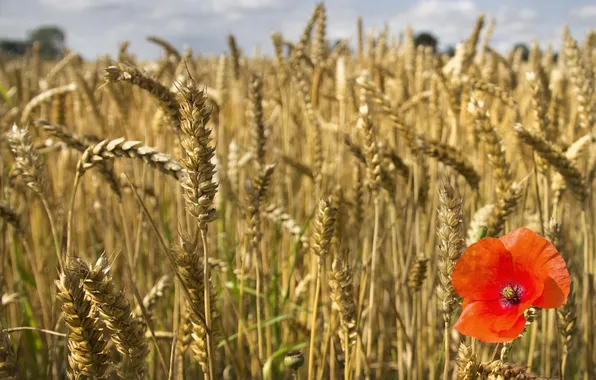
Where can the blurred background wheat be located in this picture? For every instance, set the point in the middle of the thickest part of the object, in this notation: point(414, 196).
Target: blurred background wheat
point(238, 217)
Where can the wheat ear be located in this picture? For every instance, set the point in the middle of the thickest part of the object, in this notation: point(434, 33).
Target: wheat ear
point(30, 166)
point(199, 186)
point(451, 244)
point(448, 155)
point(342, 294)
point(581, 82)
point(257, 198)
point(163, 284)
point(44, 97)
point(127, 332)
point(8, 358)
point(554, 156)
point(120, 147)
point(87, 356)
point(494, 145)
point(256, 115)
point(167, 100)
point(190, 268)
point(80, 143)
point(168, 47)
point(323, 230)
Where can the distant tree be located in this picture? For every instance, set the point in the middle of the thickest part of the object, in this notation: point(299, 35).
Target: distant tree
point(14, 47)
point(556, 57)
point(525, 50)
point(51, 40)
point(450, 50)
point(426, 39)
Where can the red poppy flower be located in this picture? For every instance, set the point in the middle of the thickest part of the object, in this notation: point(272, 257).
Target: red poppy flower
point(500, 278)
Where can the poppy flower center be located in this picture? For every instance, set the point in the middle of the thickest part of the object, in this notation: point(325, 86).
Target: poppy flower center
point(511, 294)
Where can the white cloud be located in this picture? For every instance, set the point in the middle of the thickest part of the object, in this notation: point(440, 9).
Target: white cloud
point(78, 5)
point(450, 20)
point(586, 12)
point(95, 27)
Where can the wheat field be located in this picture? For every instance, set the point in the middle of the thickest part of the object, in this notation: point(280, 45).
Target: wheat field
point(294, 216)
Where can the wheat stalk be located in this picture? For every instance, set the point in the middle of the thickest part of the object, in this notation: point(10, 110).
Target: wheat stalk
point(127, 332)
point(88, 357)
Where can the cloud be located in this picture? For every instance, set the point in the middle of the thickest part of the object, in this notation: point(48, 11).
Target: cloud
point(81, 5)
point(96, 27)
point(453, 21)
point(586, 12)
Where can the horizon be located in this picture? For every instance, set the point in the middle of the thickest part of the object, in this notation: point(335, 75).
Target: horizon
point(95, 30)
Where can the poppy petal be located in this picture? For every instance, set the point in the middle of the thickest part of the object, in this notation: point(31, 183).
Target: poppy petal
point(542, 260)
point(491, 321)
point(482, 269)
point(531, 287)
point(552, 296)
point(517, 328)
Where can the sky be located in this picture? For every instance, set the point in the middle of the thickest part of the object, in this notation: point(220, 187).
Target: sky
point(96, 27)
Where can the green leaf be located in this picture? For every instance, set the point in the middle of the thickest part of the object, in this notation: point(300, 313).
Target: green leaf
point(4, 95)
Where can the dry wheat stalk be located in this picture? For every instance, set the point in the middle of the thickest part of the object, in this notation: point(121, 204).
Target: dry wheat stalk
point(256, 115)
point(44, 97)
point(236, 54)
point(87, 357)
point(417, 273)
point(120, 147)
point(163, 284)
point(467, 363)
point(167, 100)
point(451, 244)
point(479, 225)
point(305, 38)
point(321, 237)
point(418, 142)
point(11, 217)
point(8, 358)
point(494, 145)
point(503, 207)
point(555, 157)
point(582, 83)
point(191, 272)
point(127, 332)
point(58, 68)
point(566, 314)
point(371, 149)
point(71, 139)
point(573, 154)
point(28, 164)
point(323, 228)
point(277, 214)
point(233, 172)
point(168, 47)
point(302, 84)
point(199, 186)
point(88, 95)
point(342, 294)
point(81, 143)
point(498, 369)
point(320, 48)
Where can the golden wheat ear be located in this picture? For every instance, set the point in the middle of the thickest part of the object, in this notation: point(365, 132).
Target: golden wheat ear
point(127, 331)
point(87, 353)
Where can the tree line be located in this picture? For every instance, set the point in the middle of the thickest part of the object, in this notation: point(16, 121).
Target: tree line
point(51, 40)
